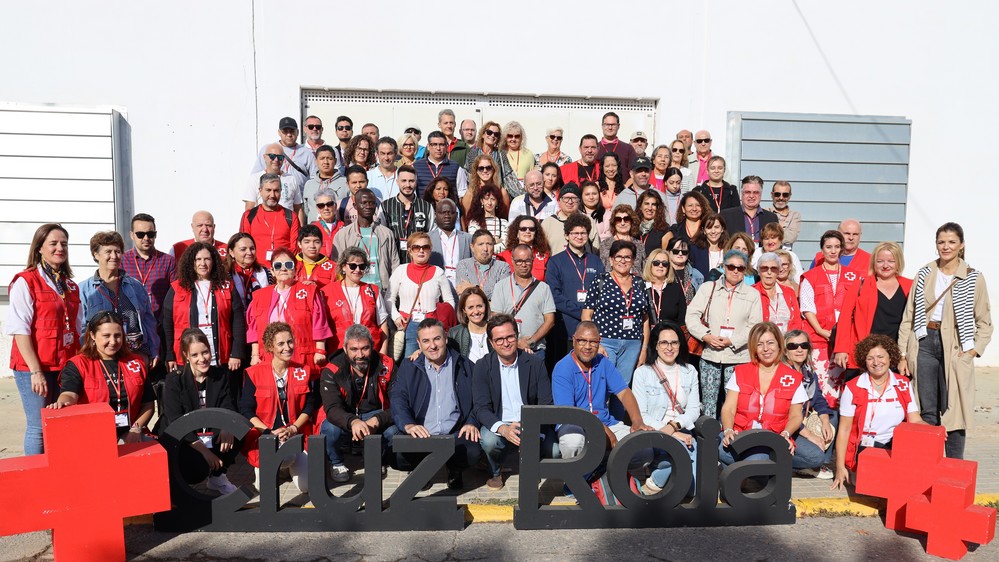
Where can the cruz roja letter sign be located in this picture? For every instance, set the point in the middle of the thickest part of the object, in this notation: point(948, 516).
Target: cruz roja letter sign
point(365, 511)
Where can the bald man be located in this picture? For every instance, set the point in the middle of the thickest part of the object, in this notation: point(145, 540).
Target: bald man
point(852, 258)
point(203, 227)
point(292, 186)
point(702, 153)
point(535, 202)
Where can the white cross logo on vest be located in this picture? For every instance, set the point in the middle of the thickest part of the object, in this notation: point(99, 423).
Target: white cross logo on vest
point(786, 380)
point(301, 294)
point(223, 252)
point(903, 385)
point(849, 276)
point(225, 285)
point(328, 265)
point(299, 374)
point(133, 366)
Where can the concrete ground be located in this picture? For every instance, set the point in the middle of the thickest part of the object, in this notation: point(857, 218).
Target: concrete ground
point(496, 541)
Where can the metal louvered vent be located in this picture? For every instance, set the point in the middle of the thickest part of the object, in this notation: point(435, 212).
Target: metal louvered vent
point(600, 104)
point(347, 96)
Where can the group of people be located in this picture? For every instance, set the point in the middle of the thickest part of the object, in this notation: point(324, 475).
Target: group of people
point(378, 286)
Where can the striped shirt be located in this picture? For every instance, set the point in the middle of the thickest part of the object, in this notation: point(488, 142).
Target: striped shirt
point(154, 274)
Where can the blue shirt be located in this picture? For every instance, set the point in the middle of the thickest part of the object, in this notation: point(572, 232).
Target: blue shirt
point(562, 277)
point(443, 411)
point(569, 386)
point(513, 400)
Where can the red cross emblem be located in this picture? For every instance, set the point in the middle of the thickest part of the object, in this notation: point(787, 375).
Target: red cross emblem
point(299, 374)
point(301, 294)
point(786, 380)
point(369, 291)
point(133, 366)
point(339, 303)
point(902, 385)
point(86, 524)
point(225, 285)
point(223, 251)
point(327, 265)
point(849, 276)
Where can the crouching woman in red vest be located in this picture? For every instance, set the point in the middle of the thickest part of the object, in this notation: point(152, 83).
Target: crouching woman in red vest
point(779, 386)
point(280, 398)
point(106, 371)
point(872, 405)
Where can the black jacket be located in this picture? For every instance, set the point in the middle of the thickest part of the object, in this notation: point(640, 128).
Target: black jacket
point(180, 395)
point(487, 389)
point(729, 196)
point(336, 388)
point(735, 220)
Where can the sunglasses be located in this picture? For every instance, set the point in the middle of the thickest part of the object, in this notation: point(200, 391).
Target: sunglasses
point(513, 136)
point(356, 266)
point(412, 131)
point(420, 247)
point(314, 127)
point(733, 267)
point(279, 265)
point(778, 195)
point(555, 137)
point(622, 219)
point(796, 346)
point(492, 133)
point(527, 229)
point(678, 150)
point(659, 263)
point(702, 141)
point(322, 206)
point(344, 127)
point(680, 252)
point(278, 157)
point(485, 168)
point(768, 269)
point(141, 235)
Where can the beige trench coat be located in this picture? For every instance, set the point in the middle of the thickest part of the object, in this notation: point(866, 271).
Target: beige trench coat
point(960, 369)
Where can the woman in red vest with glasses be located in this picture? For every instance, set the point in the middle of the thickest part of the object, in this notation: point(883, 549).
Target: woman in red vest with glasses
point(105, 371)
point(351, 301)
point(43, 319)
point(295, 303)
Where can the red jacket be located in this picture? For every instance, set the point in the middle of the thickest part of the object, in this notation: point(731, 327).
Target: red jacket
point(776, 403)
point(570, 172)
point(322, 274)
point(342, 316)
point(49, 324)
point(270, 230)
point(827, 302)
point(328, 236)
point(795, 323)
point(95, 384)
point(860, 400)
point(858, 314)
point(179, 247)
point(182, 319)
point(538, 267)
point(860, 264)
point(266, 395)
point(298, 315)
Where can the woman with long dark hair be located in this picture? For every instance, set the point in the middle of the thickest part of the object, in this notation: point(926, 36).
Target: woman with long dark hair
point(527, 230)
point(552, 176)
point(247, 275)
point(652, 225)
point(611, 180)
point(489, 212)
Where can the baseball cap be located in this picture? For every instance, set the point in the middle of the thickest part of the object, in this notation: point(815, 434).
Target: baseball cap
point(640, 163)
point(287, 123)
point(639, 135)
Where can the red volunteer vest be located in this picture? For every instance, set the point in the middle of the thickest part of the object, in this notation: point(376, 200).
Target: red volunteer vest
point(95, 383)
point(341, 316)
point(857, 316)
point(860, 400)
point(179, 247)
point(266, 395)
point(328, 236)
point(860, 263)
point(298, 315)
point(48, 325)
point(795, 323)
point(776, 403)
point(322, 274)
point(827, 302)
point(182, 318)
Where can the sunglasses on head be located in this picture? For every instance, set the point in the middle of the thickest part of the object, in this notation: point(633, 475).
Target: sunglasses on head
point(278, 157)
point(141, 235)
point(356, 266)
point(314, 127)
point(733, 267)
point(794, 346)
point(412, 131)
point(555, 137)
point(678, 252)
point(322, 206)
point(279, 265)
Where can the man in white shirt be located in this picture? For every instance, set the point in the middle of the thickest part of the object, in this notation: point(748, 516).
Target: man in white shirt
point(535, 202)
point(291, 185)
point(382, 178)
point(300, 161)
point(450, 245)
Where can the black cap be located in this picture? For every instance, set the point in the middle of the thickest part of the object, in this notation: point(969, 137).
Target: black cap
point(642, 162)
point(569, 189)
point(288, 123)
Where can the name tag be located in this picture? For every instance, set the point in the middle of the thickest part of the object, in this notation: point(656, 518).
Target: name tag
point(402, 244)
point(782, 326)
point(268, 254)
point(580, 296)
point(67, 339)
point(121, 419)
point(726, 332)
point(206, 439)
point(628, 323)
point(837, 316)
point(867, 441)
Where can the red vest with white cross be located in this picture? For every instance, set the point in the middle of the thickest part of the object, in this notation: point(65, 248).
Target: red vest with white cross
point(776, 404)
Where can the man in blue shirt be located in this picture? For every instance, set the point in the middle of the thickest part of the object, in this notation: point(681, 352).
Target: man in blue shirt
point(586, 379)
point(435, 164)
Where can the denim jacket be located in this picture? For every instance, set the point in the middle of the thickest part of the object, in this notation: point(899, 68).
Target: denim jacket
point(92, 301)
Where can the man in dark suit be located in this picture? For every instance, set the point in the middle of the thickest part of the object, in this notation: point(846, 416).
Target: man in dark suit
point(432, 395)
point(450, 245)
point(749, 217)
point(502, 382)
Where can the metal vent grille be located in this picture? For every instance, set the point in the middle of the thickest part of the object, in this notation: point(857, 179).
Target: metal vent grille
point(426, 98)
point(599, 104)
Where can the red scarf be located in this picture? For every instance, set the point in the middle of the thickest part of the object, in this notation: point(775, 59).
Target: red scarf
point(417, 272)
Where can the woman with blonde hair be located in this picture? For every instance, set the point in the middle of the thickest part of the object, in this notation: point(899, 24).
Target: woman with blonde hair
point(554, 154)
point(513, 145)
point(408, 145)
point(416, 288)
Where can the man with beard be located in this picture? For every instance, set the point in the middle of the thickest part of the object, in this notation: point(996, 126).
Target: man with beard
point(405, 213)
point(354, 389)
point(535, 203)
point(789, 219)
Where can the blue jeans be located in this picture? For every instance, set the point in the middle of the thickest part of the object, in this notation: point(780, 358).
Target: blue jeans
point(662, 467)
point(754, 454)
point(497, 447)
point(337, 438)
point(411, 342)
point(33, 405)
point(624, 355)
point(809, 455)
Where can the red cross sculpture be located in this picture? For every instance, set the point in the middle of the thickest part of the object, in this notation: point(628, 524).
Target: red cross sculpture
point(914, 463)
point(83, 485)
point(948, 518)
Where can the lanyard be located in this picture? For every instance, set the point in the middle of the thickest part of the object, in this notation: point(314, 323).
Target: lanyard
point(268, 225)
point(143, 278)
point(684, 285)
point(513, 295)
point(206, 299)
point(113, 299)
point(607, 145)
point(482, 280)
point(409, 218)
point(657, 304)
point(111, 381)
point(663, 380)
point(718, 199)
point(728, 310)
point(590, 174)
point(553, 160)
point(752, 226)
point(626, 295)
point(581, 274)
point(516, 166)
point(364, 390)
point(351, 306)
point(282, 304)
point(588, 377)
point(371, 237)
point(775, 302)
point(431, 168)
point(287, 161)
point(873, 405)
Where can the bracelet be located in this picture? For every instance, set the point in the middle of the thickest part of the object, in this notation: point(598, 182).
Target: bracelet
point(37, 372)
point(728, 429)
point(785, 434)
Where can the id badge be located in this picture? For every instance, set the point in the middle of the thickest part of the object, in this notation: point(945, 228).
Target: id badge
point(726, 332)
point(121, 419)
point(268, 255)
point(782, 326)
point(837, 315)
point(67, 339)
point(402, 244)
point(206, 439)
point(580, 296)
point(867, 441)
point(628, 323)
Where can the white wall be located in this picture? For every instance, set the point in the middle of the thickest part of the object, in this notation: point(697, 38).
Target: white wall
point(202, 94)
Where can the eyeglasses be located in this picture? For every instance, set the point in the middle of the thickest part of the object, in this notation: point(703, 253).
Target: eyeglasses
point(527, 229)
point(506, 339)
point(141, 235)
point(676, 252)
point(768, 269)
point(279, 265)
point(702, 141)
point(515, 137)
point(437, 145)
point(669, 343)
point(733, 267)
point(322, 206)
point(362, 149)
point(484, 168)
point(278, 157)
point(409, 145)
point(490, 133)
point(420, 247)
point(522, 262)
point(412, 131)
point(623, 259)
point(555, 138)
point(622, 219)
point(779, 195)
point(356, 266)
point(610, 124)
point(586, 343)
point(345, 127)
point(795, 346)
point(659, 263)
point(314, 127)
point(678, 150)
point(578, 234)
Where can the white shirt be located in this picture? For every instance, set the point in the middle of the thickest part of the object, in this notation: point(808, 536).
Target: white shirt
point(291, 190)
point(450, 252)
point(943, 282)
point(203, 292)
point(21, 311)
point(884, 412)
point(512, 399)
point(353, 295)
point(383, 186)
point(479, 349)
point(519, 207)
point(799, 398)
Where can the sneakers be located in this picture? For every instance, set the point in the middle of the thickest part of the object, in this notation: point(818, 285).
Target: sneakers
point(221, 484)
point(806, 472)
point(650, 488)
point(338, 473)
point(825, 473)
point(495, 483)
point(455, 480)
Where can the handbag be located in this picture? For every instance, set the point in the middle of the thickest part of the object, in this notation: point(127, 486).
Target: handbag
point(813, 423)
point(399, 338)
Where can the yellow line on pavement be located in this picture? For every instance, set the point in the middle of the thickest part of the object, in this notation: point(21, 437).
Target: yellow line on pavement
point(490, 513)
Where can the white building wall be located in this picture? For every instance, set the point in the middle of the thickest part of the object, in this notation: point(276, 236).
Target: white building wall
point(204, 84)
